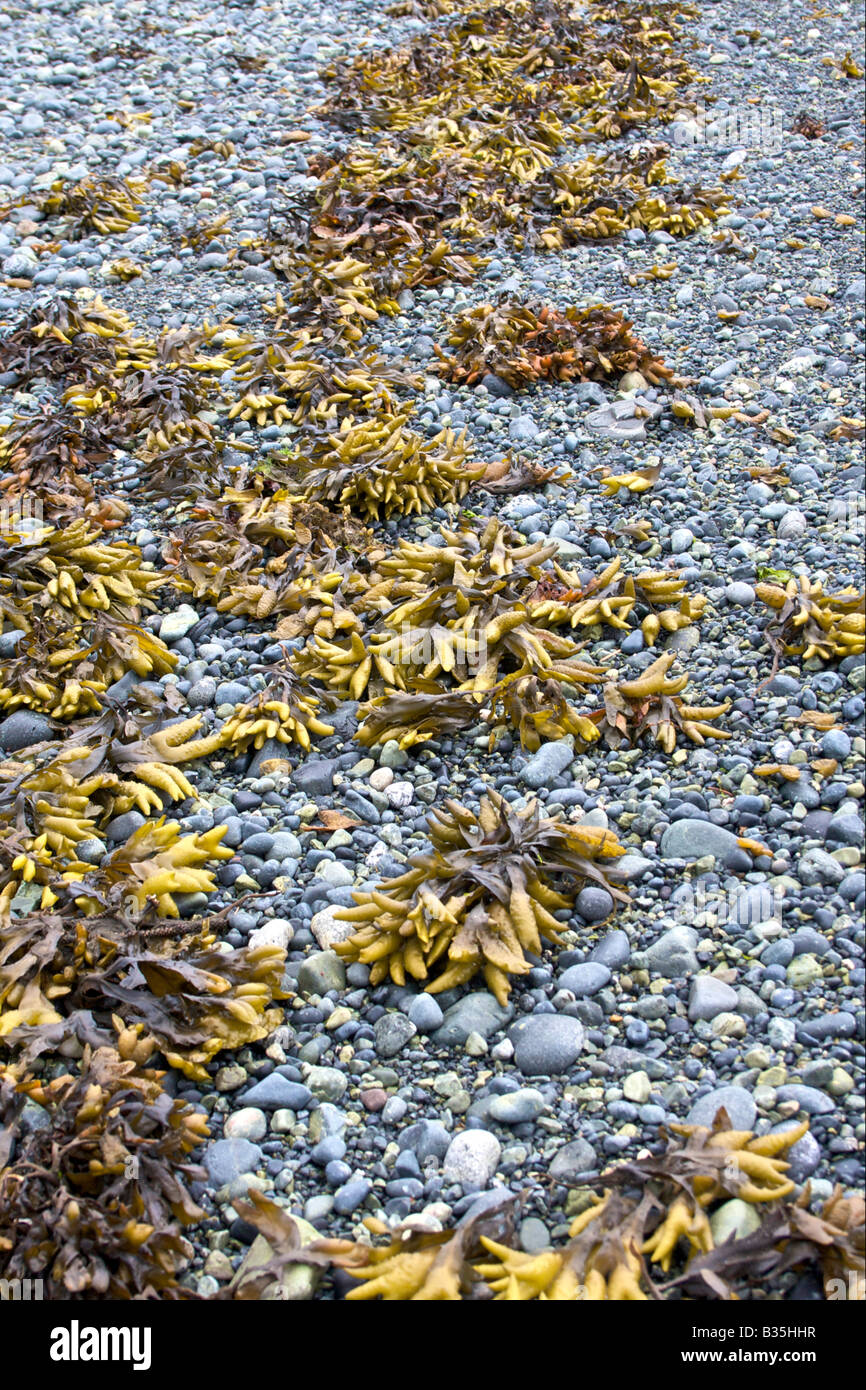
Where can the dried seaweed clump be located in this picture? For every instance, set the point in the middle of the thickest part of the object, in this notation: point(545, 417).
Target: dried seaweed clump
point(64, 671)
point(106, 205)
point(524, 344)
point(536, 709)
point(281, 711)
point(651, 704)
point(650, 1232)
point(155, 862)
point(328, 390)
point(482, 898)
point(64, 338)
point(48, 459)
point(607, 194)
point(95, 1201)
point(451, 613)
point(71, 573)
point(381, 468)
point(165, 989)
point(807, 622)
point(610, 597)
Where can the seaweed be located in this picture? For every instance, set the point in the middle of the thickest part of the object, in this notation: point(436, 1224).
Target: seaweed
point(651, 704)
point(525, 344)
point(95, 1202)
point(482, 897)
point(808, 623)
point(105, 205)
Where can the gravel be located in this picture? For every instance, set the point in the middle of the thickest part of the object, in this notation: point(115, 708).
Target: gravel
point(734, 975)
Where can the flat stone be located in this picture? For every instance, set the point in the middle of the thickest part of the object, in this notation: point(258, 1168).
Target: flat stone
point(228, 1159)
point(425, 1012)
point(276, 1092)
point(673, 955)
point(474, 1013)
point(517, 1107)
point(585, 979)
point(573, 1160)
point(693, 839)
point(321, 972)
point(315, 777)
point(637, 1087)
point(545, 765)
point(709, 997)
point(736, 1100)
point(177, 624)
point(546, 1044)
point(804, 1157)
point(809, 1099)
point(21, 729)
point(612, 951)
point(393, 1031)
point(426, 1139)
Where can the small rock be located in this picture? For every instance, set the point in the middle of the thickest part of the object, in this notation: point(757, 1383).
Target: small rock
point(472, 1159)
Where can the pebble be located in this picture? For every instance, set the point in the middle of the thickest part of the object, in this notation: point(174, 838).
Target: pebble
point(736, 1100)
point(546, 1044)
point(517, 1107)
point(392, 1033)
point(709, 997)
point(472, 1159)
point(545, 765)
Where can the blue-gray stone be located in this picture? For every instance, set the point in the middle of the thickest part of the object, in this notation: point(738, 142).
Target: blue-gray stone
point(594, 904)
point(736, 1100)
point(673, 955)
point(812, 1101)
point(277, 1092)
point(757, 903)
point(693, 839)
point(328, 1150)
point(778, 953)
point(836, 744)
point(846, 830)
point(425, 1013)
point(21, 729)
point(227, 1159)
point(351, 1196)
point(315, 777)
point(613, 950)
point(585, 979)
point(573, 1160)
point(546, 1044)
point(426, 1138)
point(474, 1013)
point(517, 1107)
point(392, 1032)
point(709, 997)
point(545, 765)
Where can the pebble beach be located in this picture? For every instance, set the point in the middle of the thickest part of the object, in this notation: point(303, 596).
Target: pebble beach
point(730, 975)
